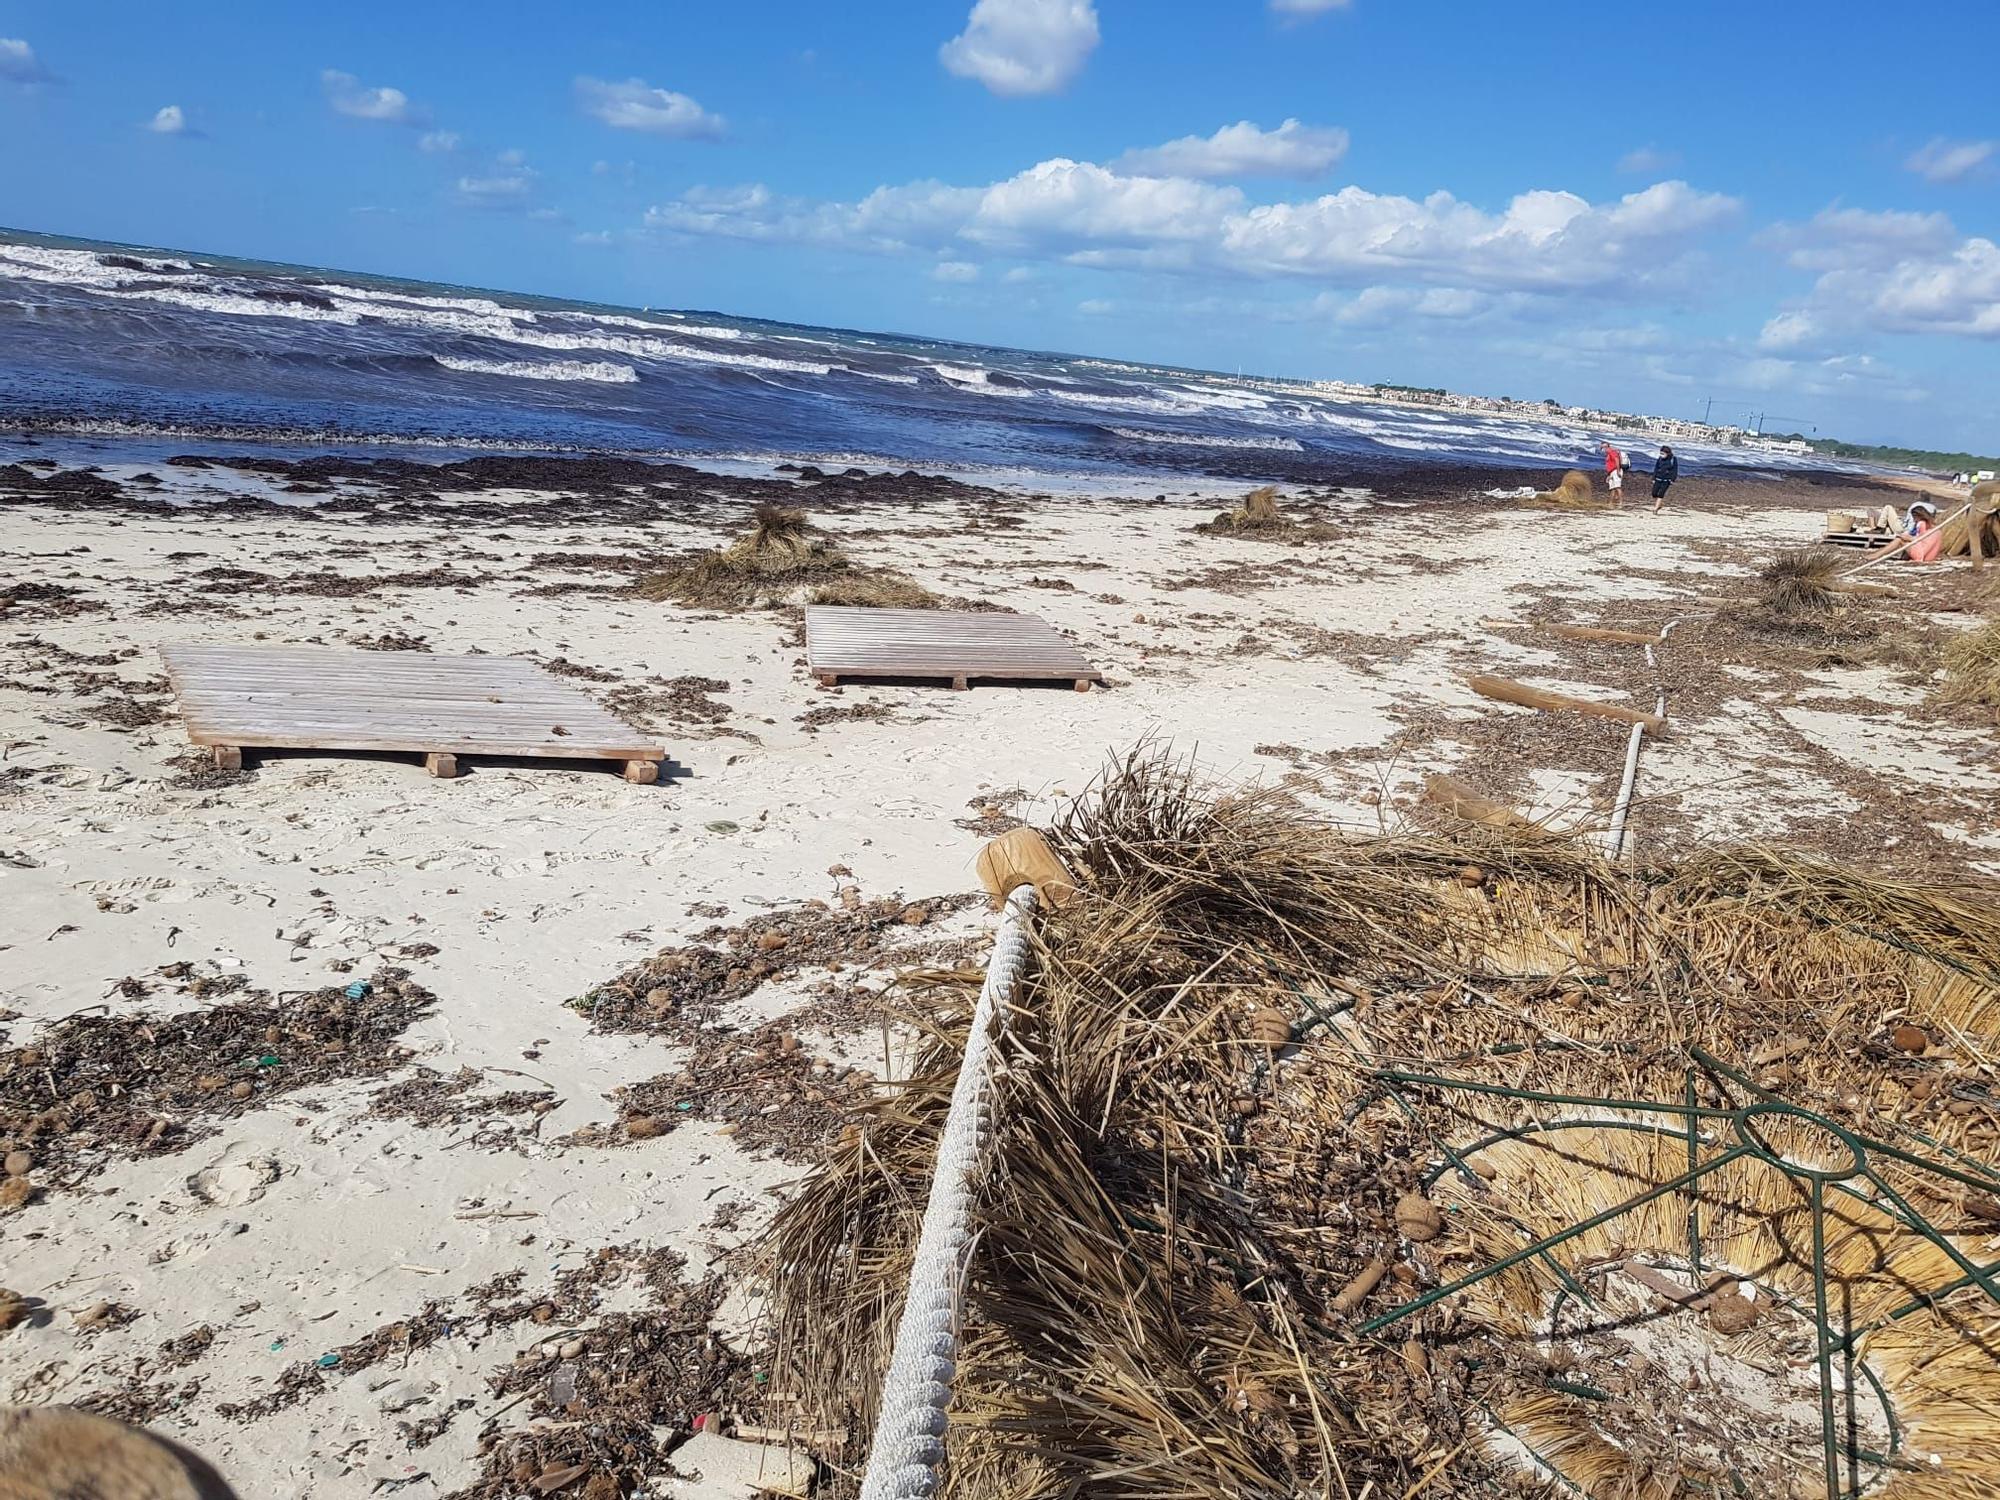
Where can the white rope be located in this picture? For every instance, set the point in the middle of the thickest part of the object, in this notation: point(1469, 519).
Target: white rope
point(909, 1429)
point(1614, 837)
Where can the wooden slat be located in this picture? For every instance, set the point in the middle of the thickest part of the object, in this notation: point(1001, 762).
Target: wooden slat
point(958, 644)
point(320, 698)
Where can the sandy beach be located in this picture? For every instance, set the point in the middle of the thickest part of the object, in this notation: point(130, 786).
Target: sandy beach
point(500, 1073)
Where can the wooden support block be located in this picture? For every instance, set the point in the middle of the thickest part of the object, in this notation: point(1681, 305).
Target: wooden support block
point(1021, 856)
point(828, 679)
point(441, 764)
point(227, 757)
point(642, 772)
point(960, 685)
point(1504, 690)
point(1083, 684)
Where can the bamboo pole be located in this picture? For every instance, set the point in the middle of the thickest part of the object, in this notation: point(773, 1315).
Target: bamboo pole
point(1504, 690)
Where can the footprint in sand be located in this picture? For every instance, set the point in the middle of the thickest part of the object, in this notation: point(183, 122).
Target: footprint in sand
point(228, 1183)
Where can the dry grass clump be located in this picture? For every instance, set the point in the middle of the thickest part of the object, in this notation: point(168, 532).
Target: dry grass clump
point(1204, 1178)
point(782, 559)
point(1257, 512)
point(1972, 667)
point(1575, 492)
point(1799, 582)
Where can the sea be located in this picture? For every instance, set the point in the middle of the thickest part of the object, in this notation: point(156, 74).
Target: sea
point(161, 347)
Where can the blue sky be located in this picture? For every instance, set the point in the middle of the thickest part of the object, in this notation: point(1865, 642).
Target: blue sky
point(1791, 212)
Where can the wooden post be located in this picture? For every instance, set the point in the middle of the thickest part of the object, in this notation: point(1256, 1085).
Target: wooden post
point(1975, 522)
point(828, 679)
point(227, 757)
point(642, 772)
point(960, 685)
point(441, 764)
point(1504, 690)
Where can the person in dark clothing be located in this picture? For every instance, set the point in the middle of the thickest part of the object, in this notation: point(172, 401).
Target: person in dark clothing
point(1666, 469)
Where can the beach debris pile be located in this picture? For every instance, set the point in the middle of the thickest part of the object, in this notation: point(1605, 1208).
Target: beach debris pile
point(782, 559)
point(1451, 1161)
point(1258, 511)
point(759, 1080)
point(94, 1088)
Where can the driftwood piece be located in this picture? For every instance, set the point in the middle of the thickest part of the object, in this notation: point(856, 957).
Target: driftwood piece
point(1505, 690)
point(1449, 794)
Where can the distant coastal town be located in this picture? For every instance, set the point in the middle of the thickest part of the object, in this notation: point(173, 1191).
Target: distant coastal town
point(1962, 468)
point(1542, 411)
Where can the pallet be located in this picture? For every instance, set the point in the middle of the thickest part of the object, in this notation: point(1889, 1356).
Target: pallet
point(960, 647)
point(234, 698)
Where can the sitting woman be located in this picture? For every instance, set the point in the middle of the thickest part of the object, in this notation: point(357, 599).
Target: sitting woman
point(1923, 526)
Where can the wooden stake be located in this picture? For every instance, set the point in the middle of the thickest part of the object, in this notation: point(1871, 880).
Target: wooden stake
point(1505, 690)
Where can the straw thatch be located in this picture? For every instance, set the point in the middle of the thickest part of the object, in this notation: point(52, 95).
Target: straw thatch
point(1202, 1183)
point(1799, 581)
point(1972, 667)
point(782, 559)
point(1955, 529)
point(1258, 512)
point(1576, 492)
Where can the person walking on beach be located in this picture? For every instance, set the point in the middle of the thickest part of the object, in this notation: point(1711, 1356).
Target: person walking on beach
point(1666, 469)
point(1614, 472)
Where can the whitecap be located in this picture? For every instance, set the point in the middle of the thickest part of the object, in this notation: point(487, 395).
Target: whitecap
point(559, 369)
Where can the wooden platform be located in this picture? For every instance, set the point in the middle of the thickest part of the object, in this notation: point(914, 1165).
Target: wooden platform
point(957, 646)
point(234, 698)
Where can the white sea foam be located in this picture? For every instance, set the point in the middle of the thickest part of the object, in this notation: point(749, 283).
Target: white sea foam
point(877, 375)
point(1202, 440)
point(78, 268)
point(1158, 403)
point(484, 306)
point(960, 377)
point(231, 304)
point(559, 369)
point(620, 320)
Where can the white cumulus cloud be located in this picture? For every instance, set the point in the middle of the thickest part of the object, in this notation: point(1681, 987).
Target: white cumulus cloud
point(1089, 215)
point(349, 97)
point(439, 142)
point(1243, 150)
point(954, 270)
point(1892, 272)
point(1951, 161)
point(1018, 47)
point(637, 105)
point(168, 121)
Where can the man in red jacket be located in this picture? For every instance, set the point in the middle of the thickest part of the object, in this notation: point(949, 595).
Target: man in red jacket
point(1614, 472)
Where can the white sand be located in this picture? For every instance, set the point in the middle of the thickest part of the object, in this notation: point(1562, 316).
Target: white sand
point(537, 882)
